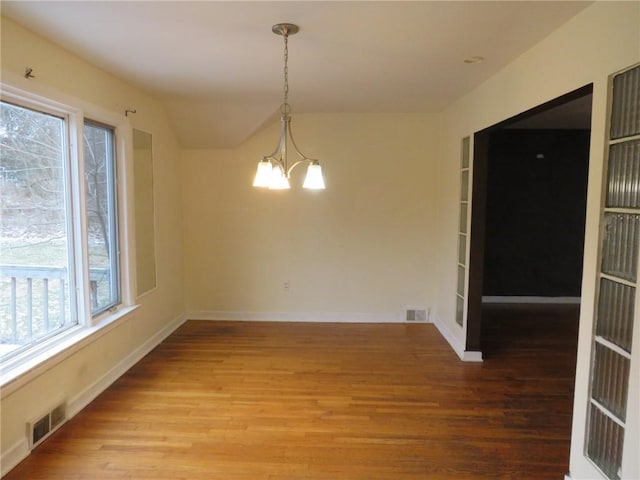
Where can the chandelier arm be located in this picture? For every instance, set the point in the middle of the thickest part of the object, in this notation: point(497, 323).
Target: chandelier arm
point(281, 142)
point(304, 160)
point(275, 160)
point(295, 147)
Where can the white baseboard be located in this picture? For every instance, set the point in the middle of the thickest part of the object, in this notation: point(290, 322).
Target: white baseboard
point(20, 450)
point(88, 395)
point(13, 456)
point(454, 342)
point(526, 299)
point(471, 356)
point(319, 317)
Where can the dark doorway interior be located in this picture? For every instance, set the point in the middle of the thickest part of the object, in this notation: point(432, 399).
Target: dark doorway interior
point(536, 203)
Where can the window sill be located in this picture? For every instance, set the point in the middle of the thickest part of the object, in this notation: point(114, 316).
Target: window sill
point(25, 368)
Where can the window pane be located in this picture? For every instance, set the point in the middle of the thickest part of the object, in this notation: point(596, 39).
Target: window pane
point(464, 194)
point(462, 249)
point(606, 439)
point(461, 275)
point(610, 380)
point(34, 270)
point(620, 245)
point(459, 310)
point(463, 218)
point(465, 152)
point(625, 114)
point(102, 218)
point(616, 306)
point(623, 186)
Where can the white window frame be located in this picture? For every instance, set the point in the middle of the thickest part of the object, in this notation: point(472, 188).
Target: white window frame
point(21, 368)
point(113, 225)
point(629, 425)
point(466, 141)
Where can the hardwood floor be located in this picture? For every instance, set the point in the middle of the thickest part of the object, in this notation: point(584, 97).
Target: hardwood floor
point(270, 401)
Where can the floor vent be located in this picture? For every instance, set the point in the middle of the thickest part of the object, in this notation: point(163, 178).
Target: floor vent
point(416, 315)
point(46, 425)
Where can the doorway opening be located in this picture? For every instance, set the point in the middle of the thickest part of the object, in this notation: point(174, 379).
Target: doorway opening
point(528, 215)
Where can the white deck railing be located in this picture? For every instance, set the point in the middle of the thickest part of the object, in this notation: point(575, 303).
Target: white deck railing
point(34, 300)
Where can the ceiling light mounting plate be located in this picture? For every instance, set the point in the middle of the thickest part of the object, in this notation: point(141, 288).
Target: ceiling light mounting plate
point(285, 29)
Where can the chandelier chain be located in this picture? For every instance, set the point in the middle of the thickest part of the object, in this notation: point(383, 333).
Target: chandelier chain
point(286, 68)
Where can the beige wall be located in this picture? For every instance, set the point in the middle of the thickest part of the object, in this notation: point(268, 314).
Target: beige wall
point(78, 375)
point(361, 249)
point(602, 39)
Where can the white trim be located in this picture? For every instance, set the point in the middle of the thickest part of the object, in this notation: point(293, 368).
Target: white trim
point(14, 455)
point(126, 220)
point(605, 411)
point(628, 210)
point(471, 356)
point(89, 394)
point(531, 299)
point(617, 280)
point(318, 317)
point(14, 377)
point(448, 335)
point(612, 346)
point(445, 331)
point(628, 138)
point(20, 450)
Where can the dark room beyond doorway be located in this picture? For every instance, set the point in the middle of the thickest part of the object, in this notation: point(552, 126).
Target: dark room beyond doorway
point(536, 203)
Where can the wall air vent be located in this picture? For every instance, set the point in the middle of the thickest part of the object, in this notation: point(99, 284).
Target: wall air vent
point(40, 430)
point(416, 315)
point(44, 426)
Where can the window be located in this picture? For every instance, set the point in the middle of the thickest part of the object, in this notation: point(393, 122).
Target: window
point(59, 241)
point(618, 282)
point(35, 284)
point(463, 234)
point(99, 172)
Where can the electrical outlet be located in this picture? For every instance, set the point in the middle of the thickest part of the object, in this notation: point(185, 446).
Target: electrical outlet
point(286, 285)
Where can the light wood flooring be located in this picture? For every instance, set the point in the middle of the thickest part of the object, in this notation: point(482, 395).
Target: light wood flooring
point(276, 401)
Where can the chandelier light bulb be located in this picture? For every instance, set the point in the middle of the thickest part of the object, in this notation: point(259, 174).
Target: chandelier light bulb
point(278, 179)
point(314, 180)
point(263, 174)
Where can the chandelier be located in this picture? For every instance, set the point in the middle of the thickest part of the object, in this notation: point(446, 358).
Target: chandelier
point(274, 170)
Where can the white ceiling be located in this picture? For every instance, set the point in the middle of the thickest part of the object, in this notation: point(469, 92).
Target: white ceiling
point(218, 67)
